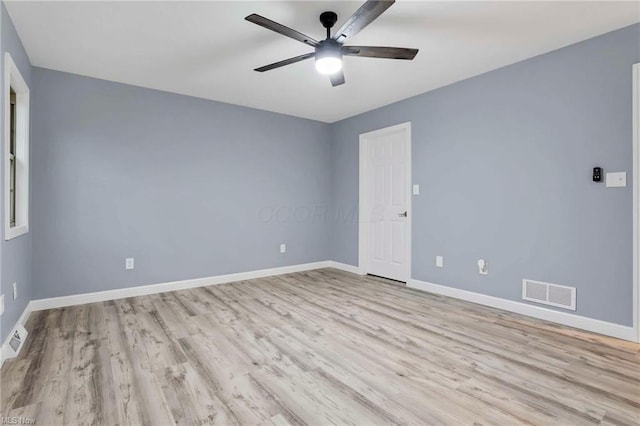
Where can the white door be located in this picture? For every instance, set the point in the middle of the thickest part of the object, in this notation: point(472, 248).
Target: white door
point(387, 158)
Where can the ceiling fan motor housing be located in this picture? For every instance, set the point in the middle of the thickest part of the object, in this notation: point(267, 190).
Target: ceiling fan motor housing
point(328, 48)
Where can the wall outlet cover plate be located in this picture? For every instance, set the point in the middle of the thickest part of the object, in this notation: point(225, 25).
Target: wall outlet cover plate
point(483, 267)
point(129, 263)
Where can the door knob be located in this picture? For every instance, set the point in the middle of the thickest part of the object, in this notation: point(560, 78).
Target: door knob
point(402, 214)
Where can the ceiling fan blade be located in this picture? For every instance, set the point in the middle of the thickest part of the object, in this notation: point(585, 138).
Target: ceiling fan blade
point(285, 62)
point(337, 79)
point(380, 52)
point(281, 29)
point(362, 17)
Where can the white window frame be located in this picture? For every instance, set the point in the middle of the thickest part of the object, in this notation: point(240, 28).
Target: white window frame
point(636, 200)
point(13, 79)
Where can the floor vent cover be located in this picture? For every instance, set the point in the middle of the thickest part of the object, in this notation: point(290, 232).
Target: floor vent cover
point(11, 348)
point(549, 294)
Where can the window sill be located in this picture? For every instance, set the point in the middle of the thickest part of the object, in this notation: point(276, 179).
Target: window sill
point(16, 231)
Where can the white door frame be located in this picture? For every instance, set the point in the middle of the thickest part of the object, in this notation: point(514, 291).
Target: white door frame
point(364, 202)
point(636, 200)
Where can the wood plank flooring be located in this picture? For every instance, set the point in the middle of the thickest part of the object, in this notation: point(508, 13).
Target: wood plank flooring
point(316, 348)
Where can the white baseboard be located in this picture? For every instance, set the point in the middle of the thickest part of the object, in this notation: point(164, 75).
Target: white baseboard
point(21, 321)
point(571, 320)
point(345, 267)
point(101, 296)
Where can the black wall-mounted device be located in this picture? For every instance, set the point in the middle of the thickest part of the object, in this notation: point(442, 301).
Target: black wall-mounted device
point(597, 174)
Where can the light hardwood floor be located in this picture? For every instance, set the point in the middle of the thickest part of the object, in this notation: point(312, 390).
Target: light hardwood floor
point(321, 347)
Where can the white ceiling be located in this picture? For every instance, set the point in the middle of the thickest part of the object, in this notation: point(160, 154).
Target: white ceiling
point(208, 50)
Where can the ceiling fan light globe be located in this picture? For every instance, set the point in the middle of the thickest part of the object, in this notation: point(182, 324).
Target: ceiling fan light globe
point(328, 65)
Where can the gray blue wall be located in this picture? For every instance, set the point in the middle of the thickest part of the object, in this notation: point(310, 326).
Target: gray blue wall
point(188, 187)
point(504, 164)
point(15, 254)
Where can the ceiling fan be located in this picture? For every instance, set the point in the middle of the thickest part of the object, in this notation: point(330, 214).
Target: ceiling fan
point(329, 52)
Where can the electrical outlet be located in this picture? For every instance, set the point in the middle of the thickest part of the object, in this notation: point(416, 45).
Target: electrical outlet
point(483, 267)
point(15, 291)
point(416, 189)
point(128, 263)
point(283, 248)
point(440, 261)
point(1, 304)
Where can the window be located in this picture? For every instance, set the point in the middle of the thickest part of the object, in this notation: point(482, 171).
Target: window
point(12, 159)
point(16, 151)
